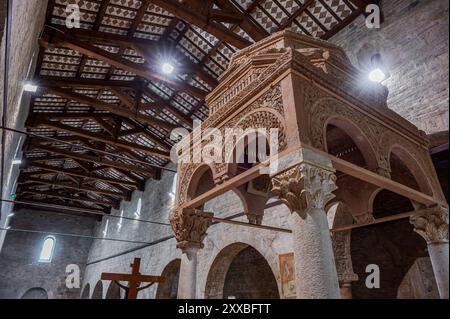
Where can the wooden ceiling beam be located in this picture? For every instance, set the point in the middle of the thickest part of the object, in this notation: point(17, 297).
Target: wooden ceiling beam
point(64, 171)
point(72, 186)
point(57, 37)
point(59, 82)
point(254, 30)
point(180, 115)
point(52, 205)
point(192, 17)
point(93, 159)
point(67, 94)
point(98, 137)
point(81, 199)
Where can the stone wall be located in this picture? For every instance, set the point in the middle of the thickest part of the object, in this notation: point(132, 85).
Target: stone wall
point(20, 269)
point(413, 41)
point(160, 250)
point(27, 22)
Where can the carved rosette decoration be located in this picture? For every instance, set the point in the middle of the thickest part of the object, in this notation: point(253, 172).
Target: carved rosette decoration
point(190, 226)
point(432, 224)
point(304, 187)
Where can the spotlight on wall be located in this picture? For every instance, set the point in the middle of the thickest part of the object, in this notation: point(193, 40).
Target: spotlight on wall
point(379, 72)
point(30, 87)
point(167, 68)
point(16, 161)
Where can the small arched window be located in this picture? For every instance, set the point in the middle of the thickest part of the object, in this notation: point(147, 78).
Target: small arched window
point(47, 249)
point(139, 208)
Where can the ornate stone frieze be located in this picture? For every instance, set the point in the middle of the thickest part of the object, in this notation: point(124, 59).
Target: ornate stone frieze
point(261, 82)
point(190, 226)
point(432, 224)
point(305, 186)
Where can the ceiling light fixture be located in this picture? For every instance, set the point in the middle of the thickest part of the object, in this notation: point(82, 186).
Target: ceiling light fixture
point(379, 72)
point(377, 75)
point(167, 68)
point(29, 87)
point(16, 161)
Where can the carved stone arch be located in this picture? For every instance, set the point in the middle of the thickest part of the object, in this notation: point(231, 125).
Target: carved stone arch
point(328, 108)
point(415, 161)
point(187, 179)
point(261, 118)
point(357, 135)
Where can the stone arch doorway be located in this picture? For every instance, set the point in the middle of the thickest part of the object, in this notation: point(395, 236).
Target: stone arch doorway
point(241, 272)
point(169, 288)
point(35, 293)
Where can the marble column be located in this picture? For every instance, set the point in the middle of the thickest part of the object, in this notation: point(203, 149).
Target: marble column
point(306, 188)
point(188, 273)
point(189, 226)
point(432, 225)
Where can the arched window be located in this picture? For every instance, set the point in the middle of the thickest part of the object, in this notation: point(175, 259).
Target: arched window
point(47, 249)
point(139, 208)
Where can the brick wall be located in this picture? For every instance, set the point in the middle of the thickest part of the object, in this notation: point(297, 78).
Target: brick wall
point(413, 41)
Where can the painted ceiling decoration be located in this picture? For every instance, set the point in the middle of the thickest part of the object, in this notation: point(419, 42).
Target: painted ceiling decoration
point(101, 86)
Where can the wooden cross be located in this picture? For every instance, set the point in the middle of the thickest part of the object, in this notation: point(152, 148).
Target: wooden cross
point(134, 279)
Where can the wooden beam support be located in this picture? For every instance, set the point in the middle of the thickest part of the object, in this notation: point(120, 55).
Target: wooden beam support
point(375, 222)
point(70, 198)
point(94, 159)
point(64, 171)
point(59, 82)
point(57, 37)
point(100, 138)
point(109, 107)
point(72, 186)
point(214, 28)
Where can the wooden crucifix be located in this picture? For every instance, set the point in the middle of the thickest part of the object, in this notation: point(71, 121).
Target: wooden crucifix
point(134, 279)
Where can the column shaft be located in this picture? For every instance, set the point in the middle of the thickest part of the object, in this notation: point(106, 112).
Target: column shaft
point(439, 259)
point(314, 259)
point(187, 283)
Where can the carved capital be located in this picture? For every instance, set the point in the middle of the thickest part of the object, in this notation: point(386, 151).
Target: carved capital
point(431, 224)
point(190, 226)
point(305, 186)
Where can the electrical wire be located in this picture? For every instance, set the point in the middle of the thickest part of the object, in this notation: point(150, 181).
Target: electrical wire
point(73, 235)
point(88, 211)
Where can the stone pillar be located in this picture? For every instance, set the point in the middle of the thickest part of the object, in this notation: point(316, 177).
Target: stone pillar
point(306, 188)
point(190, 228)
point(432, 225)
point(345, 284)
point(188, 273)
point(346, 290)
